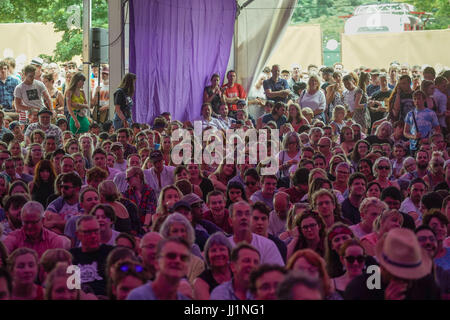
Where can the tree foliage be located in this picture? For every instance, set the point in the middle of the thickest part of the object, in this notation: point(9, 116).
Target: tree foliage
point(58, 13)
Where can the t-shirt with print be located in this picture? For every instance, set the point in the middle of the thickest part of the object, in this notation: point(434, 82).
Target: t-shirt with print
point(124, 101)
point(68, 211)
point(236, 90)
point(31, 95)
point(426, 120)
point(92, 267)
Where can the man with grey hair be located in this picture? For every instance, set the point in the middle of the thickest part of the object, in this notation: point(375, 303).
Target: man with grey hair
point(33, 235)
point(299, 286)
point(241, 215)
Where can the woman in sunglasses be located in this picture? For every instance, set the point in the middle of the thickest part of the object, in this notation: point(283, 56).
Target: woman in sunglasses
point(336, 236)
point(437, 174)
point(352, 257)
point(382, 170)
point(127, 276)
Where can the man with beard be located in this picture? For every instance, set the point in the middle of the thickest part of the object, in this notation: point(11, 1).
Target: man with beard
point(411, 205)
point(12, 207)
point(244, 259)
point(241, 215)
point(427, 240)
point(350, 207)
point(422, 160)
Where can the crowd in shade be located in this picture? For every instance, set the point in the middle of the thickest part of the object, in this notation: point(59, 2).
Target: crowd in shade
point(357, 208)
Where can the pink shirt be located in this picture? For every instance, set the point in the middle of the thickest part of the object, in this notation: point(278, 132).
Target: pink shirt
point(18, 239)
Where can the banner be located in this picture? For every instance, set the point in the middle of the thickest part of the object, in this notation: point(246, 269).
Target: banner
point(378, 50)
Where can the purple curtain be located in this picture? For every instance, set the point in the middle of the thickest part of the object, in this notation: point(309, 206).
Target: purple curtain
point(175, 47)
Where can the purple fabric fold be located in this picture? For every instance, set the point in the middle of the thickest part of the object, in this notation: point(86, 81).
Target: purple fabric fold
point(175, 47)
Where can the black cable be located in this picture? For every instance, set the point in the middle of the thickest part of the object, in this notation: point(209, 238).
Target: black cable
point(123, 27)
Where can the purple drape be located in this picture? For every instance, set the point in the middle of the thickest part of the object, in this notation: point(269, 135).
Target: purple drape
point(175, 47)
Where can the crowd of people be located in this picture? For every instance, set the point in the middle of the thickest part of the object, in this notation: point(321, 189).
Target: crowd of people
point(361, 191)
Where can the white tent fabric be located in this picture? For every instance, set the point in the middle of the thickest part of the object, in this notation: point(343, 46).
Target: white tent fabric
point(259, 28)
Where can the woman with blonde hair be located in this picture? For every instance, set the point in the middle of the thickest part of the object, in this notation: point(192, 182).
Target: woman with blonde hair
point(314, 98)
point(437, 173)
point(308, 114)
point(334, 93)
point(389, 219)
point(382, 170)
point(223, 174)
point(337, 120)
point(168, 196)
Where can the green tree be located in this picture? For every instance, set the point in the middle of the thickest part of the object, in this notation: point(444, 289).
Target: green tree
point(440, 10)
point(58, 13)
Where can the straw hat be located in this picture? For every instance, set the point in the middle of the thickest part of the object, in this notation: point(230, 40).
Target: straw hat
point(400, 253)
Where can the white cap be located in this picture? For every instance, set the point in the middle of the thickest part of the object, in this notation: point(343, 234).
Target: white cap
point(37, 61)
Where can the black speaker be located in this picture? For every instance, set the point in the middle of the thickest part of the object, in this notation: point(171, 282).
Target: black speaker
point(99, 46)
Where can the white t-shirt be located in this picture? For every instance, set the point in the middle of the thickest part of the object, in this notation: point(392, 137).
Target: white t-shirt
point(315, 102)
point(31, 95)
point(276, 225)
point(267, 249)
point(121, 166)
point(349, 99)
point(68, 211)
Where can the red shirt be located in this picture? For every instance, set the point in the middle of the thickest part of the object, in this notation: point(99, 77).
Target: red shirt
point(232, 92)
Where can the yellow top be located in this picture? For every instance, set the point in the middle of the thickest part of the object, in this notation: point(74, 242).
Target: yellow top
point(77, 100)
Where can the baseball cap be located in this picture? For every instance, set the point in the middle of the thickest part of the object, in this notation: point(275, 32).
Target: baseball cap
point(37, 61)
point(13, 124)
point(116, 144)
point(44, 110)
point(181, 204)
point(105, 70)
point(156, 156)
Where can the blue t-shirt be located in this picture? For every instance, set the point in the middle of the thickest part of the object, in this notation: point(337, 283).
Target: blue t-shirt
point(281, 84)
point(444, 262)
point(426, 121)
point(145, 292)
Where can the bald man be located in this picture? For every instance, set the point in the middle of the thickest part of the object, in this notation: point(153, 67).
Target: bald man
point(147, 253)
point(278, 216)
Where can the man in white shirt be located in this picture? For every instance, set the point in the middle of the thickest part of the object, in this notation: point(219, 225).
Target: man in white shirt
point(278, 216)
point(159, 175)
point(241, 214)
point(411, 205)
point(31, 94)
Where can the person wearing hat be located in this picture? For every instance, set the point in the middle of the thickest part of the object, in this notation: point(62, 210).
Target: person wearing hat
point(405, 271)
point(232, 91)
point(44, 118)
point(159, 175)
point(37, 62)
point(100, 97)
point(197, 209)
point(374, 84)
point(31, 94)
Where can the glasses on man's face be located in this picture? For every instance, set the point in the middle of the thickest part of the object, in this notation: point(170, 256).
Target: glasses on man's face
point(309, 226)
point(174, 255)
point(352, 259)
point(90, 232)
point(31, 222)
point(425, 238)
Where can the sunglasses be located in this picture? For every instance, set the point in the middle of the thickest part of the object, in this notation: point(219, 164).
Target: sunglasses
point(173, 256)
point(383, 167)
point(131, 267)
point(352, 259)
